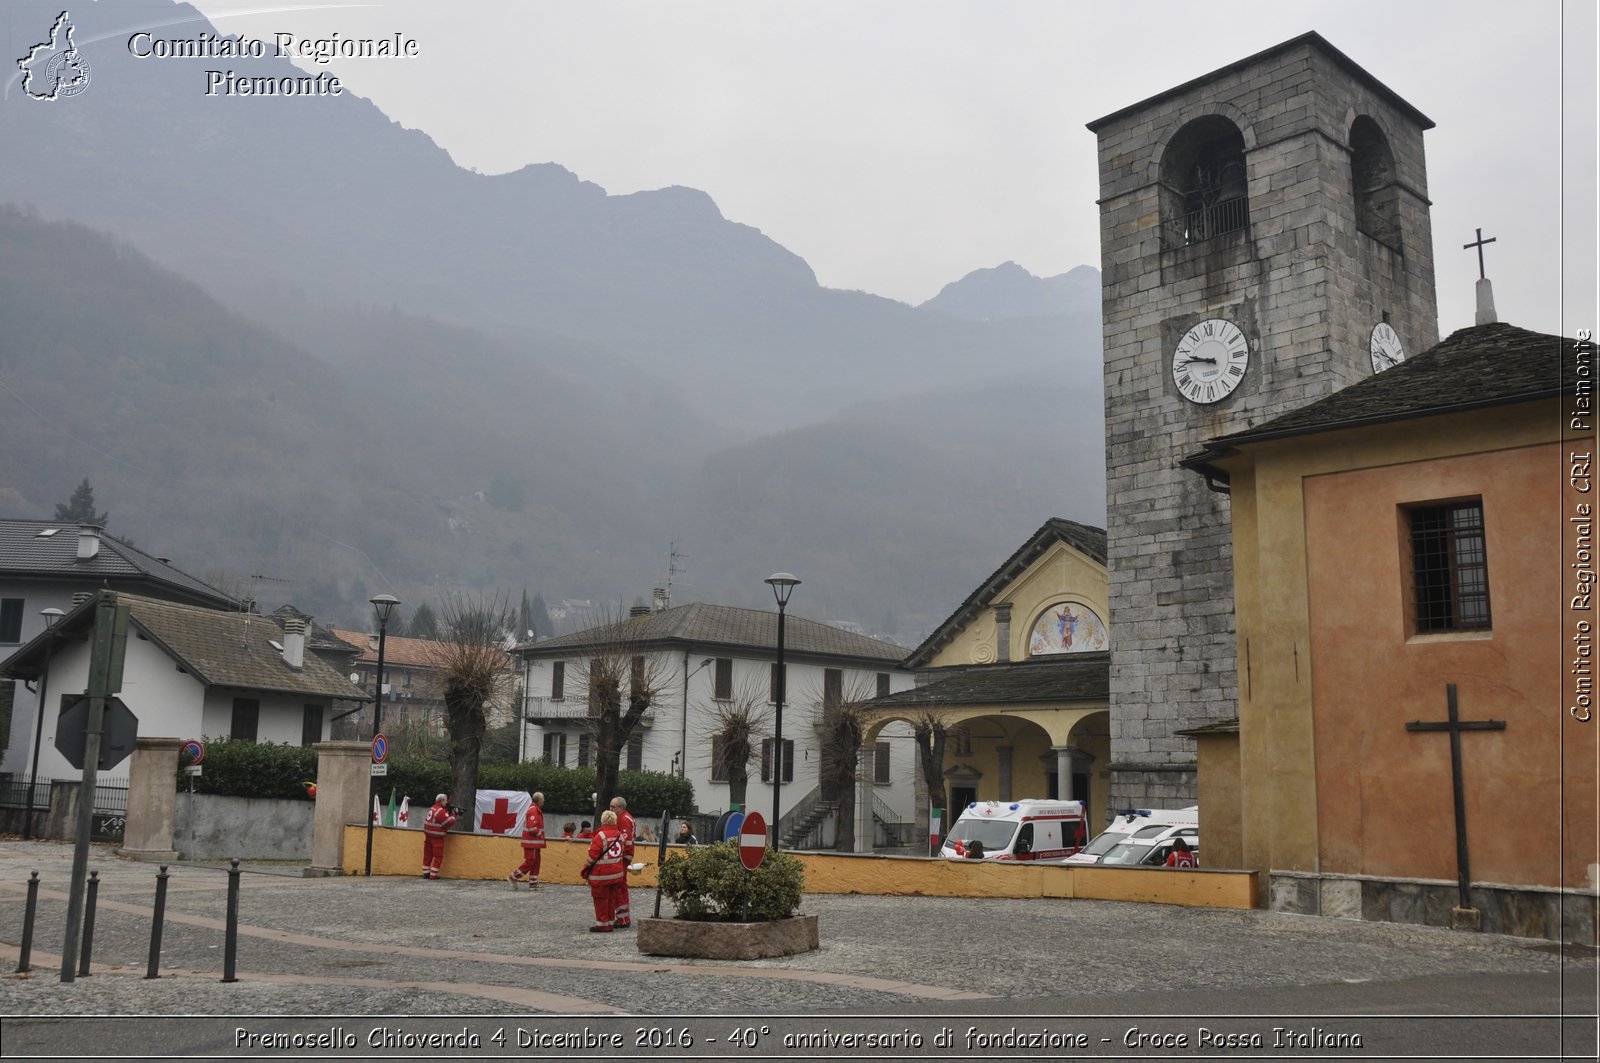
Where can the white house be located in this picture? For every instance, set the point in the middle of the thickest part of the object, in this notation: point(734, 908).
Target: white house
point(703, 662)
point(44, 564)
point(191, 672)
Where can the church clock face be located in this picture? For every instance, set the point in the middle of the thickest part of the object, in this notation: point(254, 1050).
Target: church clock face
point(1387, 350)
point(1210, 361)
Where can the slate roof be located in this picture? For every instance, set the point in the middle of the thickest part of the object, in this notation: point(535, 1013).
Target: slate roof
point(1473, 368)
point(1086, 539)
point(318, 638)
point(704, 625)
point(218, 648)
point(1058, 678)
point(25, 553)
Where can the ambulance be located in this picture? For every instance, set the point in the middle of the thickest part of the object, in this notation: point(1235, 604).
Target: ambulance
point(1141, 826)
point(1026, 831)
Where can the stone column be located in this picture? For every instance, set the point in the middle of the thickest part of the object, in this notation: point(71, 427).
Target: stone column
point(344, 796)
point(866, 758)
point(61, 822)
point(1064, 756)
point(152, 800)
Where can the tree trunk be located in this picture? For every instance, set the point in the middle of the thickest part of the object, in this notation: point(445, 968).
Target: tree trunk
point(464, 721)
point(930, 747)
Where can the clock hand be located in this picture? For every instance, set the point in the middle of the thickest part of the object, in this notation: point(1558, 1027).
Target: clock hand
point(1196, 358)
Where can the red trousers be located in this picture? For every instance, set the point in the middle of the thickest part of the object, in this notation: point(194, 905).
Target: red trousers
point(605, 896)
point(530, 863)
point(432, 853)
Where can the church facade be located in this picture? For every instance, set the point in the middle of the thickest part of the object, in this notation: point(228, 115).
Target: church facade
point(1264, 236)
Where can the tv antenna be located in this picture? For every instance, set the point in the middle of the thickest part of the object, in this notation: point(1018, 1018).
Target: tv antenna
point(251, 603)
point(673, 568)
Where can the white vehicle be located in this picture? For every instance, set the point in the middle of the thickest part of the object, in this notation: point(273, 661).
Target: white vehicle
point(1030, 830)
point(1133, 822)
point(1150, 846)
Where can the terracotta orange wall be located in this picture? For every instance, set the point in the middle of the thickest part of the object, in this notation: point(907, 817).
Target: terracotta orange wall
point(1384, 803)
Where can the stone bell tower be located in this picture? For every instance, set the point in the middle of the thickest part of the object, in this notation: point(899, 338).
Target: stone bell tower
point(1265, 241)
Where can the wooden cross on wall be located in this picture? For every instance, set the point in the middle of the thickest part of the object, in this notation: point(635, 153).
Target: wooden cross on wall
point(1455, 725)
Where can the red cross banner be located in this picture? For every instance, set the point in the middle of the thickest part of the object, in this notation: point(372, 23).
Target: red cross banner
point(500, 811)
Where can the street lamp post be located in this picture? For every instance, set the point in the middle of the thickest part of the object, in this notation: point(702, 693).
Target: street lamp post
point(783, 584)
point(382, 606)
point(50, 615)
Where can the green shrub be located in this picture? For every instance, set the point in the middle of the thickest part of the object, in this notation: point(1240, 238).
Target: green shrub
point(253, 769)
point(708, 882)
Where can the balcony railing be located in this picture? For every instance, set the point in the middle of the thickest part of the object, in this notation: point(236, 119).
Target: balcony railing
point(1203, 223)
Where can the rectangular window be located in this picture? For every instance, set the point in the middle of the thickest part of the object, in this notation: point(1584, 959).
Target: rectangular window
point(880, 764)
point(960, 741)
point(775, 691)
point(636, 677)
point(558, 681)
point(832, 688)
point(636, 751)
point(719, 759)
point(311, 725)
point(555, 750)
point(11, 619)
point(788, 760)
point(723, 688)
point(1449, 567)
point(246, 719)
point(585, 743)
point(883, 684)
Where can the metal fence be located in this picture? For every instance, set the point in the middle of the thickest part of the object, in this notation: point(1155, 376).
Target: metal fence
point(109, 815)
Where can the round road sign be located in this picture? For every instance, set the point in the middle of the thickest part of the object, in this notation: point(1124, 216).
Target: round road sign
point(752, 841)
point(730, 831)
point(380, 749)
point(194, 751)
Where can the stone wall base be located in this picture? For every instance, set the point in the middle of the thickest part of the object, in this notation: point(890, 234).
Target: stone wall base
point(1568, 916)
point(726, 941)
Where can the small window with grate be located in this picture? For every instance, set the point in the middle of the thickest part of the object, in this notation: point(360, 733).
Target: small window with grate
point(1449, 567)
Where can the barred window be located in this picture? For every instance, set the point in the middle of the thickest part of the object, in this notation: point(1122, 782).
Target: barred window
point(1450, 567)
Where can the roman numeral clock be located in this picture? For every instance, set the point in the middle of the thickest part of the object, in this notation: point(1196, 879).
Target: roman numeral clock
point(1210, 361)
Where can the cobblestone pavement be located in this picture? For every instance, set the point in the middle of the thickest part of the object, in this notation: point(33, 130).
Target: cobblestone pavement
point(390, 946)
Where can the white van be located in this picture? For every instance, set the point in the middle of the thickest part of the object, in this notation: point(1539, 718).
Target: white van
point(1029, 830)
point(1138, 824)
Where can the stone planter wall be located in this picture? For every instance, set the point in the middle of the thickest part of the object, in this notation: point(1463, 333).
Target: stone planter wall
point(726, 941)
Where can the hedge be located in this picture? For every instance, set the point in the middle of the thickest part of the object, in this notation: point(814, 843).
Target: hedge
point(260, 769)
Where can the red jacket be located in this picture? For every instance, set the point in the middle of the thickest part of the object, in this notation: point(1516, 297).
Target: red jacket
point(533, 828)
point(439, 821)
point(629, 827)
point(606, 856)
point(1179, 858)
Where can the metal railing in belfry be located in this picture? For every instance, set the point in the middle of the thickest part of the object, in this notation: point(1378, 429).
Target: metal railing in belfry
point(1213, 219)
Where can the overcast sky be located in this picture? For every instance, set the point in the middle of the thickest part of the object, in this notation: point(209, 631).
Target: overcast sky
point(897, 145)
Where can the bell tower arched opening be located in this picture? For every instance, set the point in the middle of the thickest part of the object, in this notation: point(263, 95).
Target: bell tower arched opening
point(1204, 183)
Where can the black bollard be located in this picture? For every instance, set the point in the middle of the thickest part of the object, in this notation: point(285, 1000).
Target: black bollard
point(154, 967)
point(24, 958)
point(230, 941)
point(88, 924)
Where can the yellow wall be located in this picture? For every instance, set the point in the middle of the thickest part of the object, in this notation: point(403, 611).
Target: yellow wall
point(470, 856)
point(1060, 574)
point(1220, 800)
point(1329, 778)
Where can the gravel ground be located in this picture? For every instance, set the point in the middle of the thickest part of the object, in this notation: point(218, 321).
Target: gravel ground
point(390, 946)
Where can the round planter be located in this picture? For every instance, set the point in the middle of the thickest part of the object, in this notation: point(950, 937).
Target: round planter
point(726, 941)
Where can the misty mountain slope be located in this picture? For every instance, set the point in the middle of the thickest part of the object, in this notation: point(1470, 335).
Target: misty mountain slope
point(1009, 291)
point(902, 507)
point(327, 200)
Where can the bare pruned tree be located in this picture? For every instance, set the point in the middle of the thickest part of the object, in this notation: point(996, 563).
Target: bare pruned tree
point(730, 728)
point(474, 675)
point(932, 730)
point(839, 713)
point(621, 676)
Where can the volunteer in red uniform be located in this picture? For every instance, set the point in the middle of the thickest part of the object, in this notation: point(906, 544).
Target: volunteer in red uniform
point(629, 828)
point(532, 844)
point(437, 824)
point(1181, 856)
point(607, 872)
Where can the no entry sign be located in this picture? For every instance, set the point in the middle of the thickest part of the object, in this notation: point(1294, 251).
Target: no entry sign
point(752, 841)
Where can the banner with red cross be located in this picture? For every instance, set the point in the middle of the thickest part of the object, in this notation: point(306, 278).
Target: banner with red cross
point(500, 811)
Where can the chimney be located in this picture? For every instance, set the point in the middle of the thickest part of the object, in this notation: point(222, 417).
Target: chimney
point(636, 611)
point(79, 597)
point(88, 541)
point(294, 643)
point(660, 598)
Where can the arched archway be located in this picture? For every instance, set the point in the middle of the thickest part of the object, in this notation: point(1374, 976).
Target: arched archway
point(1373, 182)
point(1204, 182)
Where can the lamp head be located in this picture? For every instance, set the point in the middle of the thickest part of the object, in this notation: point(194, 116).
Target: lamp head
point(51, 615)
point(383, 606)
point(782, 584)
